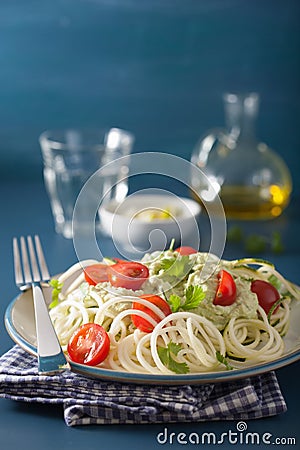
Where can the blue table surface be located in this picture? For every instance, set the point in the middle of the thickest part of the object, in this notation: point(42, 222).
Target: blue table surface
point(25, 210)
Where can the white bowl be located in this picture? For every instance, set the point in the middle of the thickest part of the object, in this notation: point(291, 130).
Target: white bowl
point(131, 228)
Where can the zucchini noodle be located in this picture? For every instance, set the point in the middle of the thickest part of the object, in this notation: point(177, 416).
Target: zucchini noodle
point(242, 333)
point(254, 340)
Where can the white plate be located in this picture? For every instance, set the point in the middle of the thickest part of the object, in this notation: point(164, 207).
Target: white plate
point(20, 324)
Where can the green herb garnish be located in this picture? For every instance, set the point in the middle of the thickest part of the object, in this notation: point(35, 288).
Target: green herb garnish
point(175, 302)
point(222, 359)
point(177, 267)
point(193, 297)
point(166, 356)
point(56, 290)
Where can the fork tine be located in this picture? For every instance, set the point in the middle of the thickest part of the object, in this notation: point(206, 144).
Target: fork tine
point(33, 261)
point(51, 358)
point(41, 258)
point(17, 263)
point(26, 267)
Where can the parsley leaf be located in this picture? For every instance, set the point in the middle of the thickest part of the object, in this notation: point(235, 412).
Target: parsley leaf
point(174, 348)
point(165, 355)
point(177, 267)
point(175, 302)
point(57, 287)
point(223, 360)
point(193, 297)
point(166, 263)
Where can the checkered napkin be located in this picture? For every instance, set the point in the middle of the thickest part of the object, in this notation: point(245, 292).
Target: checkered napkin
point(90, 401)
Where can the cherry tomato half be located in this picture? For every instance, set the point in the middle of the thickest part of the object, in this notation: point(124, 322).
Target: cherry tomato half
point(89, 344)
point(128, 275)
point(226, 291)
point(143, 324)
point(185, 250)
point(96, 273)
point(266, 293)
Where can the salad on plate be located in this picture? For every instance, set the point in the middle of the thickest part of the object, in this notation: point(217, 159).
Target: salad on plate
point(162, 315)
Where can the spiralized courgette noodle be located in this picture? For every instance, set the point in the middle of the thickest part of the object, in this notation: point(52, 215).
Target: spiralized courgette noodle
point(241, 333)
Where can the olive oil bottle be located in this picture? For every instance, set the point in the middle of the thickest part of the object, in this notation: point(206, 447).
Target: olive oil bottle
point(252, 181)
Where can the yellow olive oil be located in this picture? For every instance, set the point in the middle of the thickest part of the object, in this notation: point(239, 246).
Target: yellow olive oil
point(250, 202)
point(254, 203)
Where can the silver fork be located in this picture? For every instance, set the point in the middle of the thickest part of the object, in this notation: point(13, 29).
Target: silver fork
point(50, 355)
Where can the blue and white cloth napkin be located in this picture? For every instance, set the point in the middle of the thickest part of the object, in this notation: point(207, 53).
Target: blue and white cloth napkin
point(91, 401)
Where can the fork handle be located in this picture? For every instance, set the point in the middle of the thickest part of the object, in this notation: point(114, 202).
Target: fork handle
point(51, 357)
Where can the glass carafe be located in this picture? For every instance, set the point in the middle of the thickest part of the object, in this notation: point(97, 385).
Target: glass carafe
point(252, 181)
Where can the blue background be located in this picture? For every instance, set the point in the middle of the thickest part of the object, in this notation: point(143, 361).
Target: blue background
point(158, 68)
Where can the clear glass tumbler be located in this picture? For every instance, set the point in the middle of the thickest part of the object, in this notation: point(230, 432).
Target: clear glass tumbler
point(70, 157)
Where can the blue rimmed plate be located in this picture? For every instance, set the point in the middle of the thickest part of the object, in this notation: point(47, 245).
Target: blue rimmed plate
point(20, 324)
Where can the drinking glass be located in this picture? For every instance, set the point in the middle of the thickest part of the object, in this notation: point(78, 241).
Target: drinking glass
point(70, 157)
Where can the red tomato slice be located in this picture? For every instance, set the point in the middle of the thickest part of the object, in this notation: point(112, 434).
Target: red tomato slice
point(96, 273)
point(226, 291)
point(143, 324)
point(185, 250)
point(89, 344)
point(266, 293)
point(128, 275)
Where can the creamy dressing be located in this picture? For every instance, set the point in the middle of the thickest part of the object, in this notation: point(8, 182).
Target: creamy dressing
point(160, 283)
point(246, 302)
point(245, 305)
